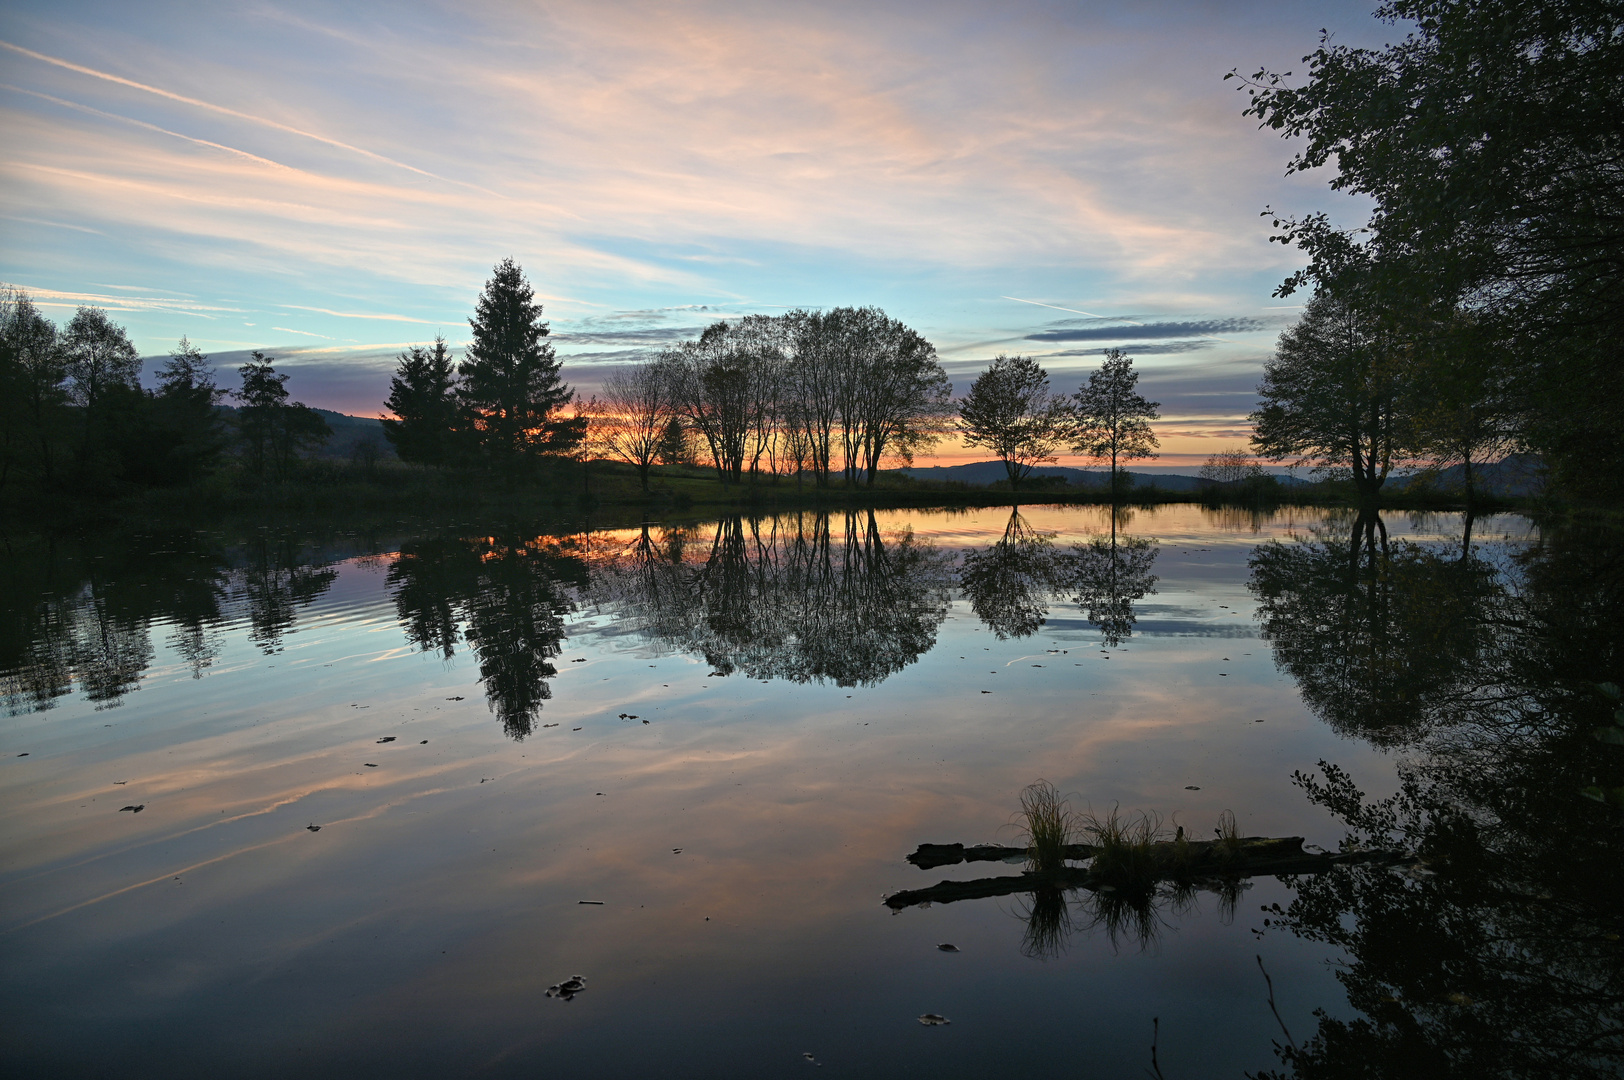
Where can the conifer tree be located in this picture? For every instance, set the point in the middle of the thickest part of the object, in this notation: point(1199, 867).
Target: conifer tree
point(423, 397)
point(510, 378)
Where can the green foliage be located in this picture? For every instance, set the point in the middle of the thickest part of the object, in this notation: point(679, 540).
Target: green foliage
point(1488, 139)
point(1126, 859)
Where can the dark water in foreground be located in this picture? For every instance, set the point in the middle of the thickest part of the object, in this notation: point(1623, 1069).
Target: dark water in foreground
point(724, 738)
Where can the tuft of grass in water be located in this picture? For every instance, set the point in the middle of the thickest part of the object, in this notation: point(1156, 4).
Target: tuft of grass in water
point(1229, 835)
point(1125, 858)
point(1049, 823)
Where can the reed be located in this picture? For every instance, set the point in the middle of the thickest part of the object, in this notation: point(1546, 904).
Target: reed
point(1229, 835)
point(1126, 858)
point(1049, 824)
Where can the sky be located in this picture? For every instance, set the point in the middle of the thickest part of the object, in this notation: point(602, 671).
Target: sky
point(331, 183)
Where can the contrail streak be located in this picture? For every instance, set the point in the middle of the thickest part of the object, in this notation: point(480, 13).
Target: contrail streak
point(1052, 307)
point(223, 110)
point(142, 124)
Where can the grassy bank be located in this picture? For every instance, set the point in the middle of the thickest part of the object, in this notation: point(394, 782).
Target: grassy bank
point(610, 492)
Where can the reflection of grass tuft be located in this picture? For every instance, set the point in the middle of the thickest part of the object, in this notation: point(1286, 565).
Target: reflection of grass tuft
point(1048, 924)
point(1049, 823)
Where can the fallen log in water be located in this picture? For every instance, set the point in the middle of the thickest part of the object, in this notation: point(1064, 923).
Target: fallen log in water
point(1193, 862)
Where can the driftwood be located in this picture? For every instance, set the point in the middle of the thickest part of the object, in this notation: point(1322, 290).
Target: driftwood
point(1193, 862)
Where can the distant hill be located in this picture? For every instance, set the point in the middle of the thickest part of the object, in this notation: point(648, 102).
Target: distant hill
point(1515, 476)
point(352, 431)
point(349, 432)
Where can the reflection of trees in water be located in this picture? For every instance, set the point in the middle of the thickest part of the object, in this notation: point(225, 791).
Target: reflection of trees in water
point(506, 598)
point(787, 597)
point(82, 612)
point(1108, 575)
point(1499, 954)
point(1010, 584)
point(276, 582)
point(1379, 634)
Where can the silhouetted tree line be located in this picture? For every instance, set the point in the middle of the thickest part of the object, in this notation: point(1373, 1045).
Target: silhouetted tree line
point(830, 394)
point(1480, 307)
point(74, 416)
point(1495, 953)
point(501, 407)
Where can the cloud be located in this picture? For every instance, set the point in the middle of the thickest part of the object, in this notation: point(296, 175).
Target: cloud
point(1142, 349)
point(1147, 331)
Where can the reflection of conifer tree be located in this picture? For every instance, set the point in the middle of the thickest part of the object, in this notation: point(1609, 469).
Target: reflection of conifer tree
point(785, 597)
point(277, 582)
point(1497, 955)
point(516, 627)
point(1108, 575)
point(1009, 583)
point(506, 598)
point(429, 581)
point(1377, 634)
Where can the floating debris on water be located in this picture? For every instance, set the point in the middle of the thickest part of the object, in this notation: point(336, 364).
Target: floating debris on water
point(1191, 787)
point(314, 828)
point(133, 809)
point(934, 1020)
point(387, 738)
point(946, 947)
point(568, 988)
point(369, 764)
point(596, 903)
point(454, 698)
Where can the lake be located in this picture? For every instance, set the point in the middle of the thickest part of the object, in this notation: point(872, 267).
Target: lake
point(396, 787)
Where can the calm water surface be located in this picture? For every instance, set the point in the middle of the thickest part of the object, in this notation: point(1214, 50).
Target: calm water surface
point(685, 764)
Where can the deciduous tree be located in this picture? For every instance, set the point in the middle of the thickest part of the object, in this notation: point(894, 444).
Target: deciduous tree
point(1338, 396)
point(1113, 419)
point(1010, 411)
point(630, 420)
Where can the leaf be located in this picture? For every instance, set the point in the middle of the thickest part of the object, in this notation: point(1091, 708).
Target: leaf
point(1612, 736)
